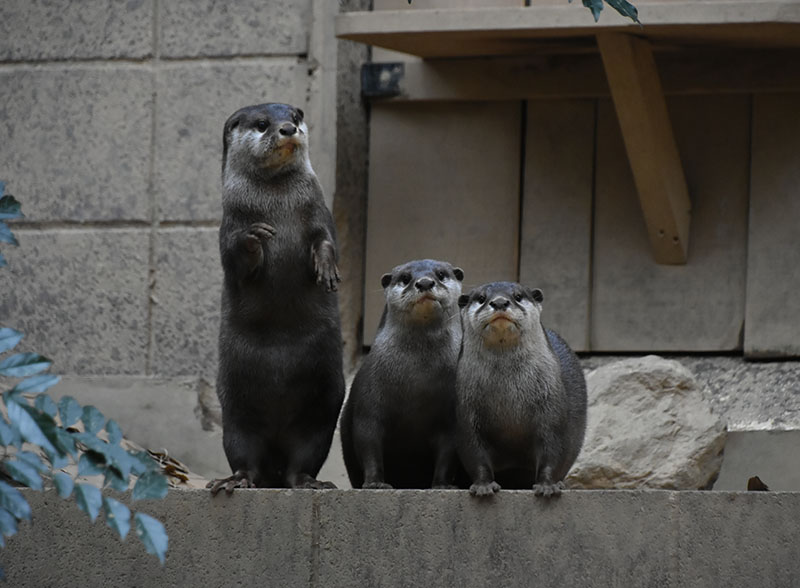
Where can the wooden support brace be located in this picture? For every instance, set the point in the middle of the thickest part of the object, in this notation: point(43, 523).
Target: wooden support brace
point(652, 151)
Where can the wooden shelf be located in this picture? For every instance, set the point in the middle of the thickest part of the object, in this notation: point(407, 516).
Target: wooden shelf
point(570, 27)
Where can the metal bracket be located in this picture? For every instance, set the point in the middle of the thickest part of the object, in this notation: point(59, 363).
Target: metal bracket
point(381, 80)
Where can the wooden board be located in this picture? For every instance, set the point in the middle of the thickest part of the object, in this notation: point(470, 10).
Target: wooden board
point(443, 184)
point(556, 249)
point(638, 305)
point(650, 143)
point(521, 30)
point(772, 323)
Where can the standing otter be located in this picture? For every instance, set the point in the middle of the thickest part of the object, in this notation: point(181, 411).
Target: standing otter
point(521, 394)
point(280, 379)
point(398, 425)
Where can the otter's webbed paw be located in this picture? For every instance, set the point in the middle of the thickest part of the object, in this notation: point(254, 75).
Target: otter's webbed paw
point(241, 479)
point(257, 234)
point(254, 237)
point(548, 490)
point(484, 489)
point(327, 272)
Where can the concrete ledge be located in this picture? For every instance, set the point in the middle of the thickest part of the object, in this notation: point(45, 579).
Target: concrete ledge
point(423, 538)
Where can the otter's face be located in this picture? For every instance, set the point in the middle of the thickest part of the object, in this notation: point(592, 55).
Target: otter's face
point(500, 313)
point(424, 291)
point(265, 137)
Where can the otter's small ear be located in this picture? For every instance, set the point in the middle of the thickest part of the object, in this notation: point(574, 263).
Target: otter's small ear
point(537, 294)
point(463, 300)
point(386, 279)
point(458, 273)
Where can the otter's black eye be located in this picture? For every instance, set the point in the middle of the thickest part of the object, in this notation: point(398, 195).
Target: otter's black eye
point(299, 114)
point(404, 279)
point(481, 298)
point(442, 275)
point(262, 126)
point(518, 297)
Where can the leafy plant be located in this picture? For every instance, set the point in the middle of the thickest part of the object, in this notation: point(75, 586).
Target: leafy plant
point(624, 7)
point(39, 439)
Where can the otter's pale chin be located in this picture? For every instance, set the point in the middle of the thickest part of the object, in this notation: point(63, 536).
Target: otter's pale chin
point(425, 309)
point(501, 333)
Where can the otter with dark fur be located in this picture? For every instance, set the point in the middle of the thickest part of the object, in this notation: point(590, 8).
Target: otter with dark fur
point(280, 379)
point(521, 394)
point(398, 425)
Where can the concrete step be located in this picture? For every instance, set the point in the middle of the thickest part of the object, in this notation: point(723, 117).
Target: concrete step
point(355, 538)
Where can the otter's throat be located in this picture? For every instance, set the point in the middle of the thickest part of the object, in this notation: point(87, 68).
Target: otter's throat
point(425, 310)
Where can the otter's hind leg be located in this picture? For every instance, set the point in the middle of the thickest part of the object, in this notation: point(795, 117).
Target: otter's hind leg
point(243, 452)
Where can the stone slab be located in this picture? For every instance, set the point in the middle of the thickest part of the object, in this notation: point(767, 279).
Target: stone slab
point(39, 29)
point(424, 538)
point(158, 414)
point(186, 302)
point(194, 101)
point(80, 296)
point(448, 538)
point(261, 536)
point(191, 28)
point(737, 539)
point(556, 243)
point(770, 455)
point(639, 305)
point(76, 141)
point(772, 323)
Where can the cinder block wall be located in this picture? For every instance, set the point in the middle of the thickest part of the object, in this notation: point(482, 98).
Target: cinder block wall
point(111, 117)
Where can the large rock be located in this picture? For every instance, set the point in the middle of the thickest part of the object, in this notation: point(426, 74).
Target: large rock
point(648, 427)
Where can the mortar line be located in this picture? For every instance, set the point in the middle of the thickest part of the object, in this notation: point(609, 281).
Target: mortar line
point(153, 201)
point(147, 63)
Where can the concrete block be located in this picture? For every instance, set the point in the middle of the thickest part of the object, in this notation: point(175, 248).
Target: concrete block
point(770, 455)
point(639, 305)
point(194, 101)
point(81, 298)
point(741, 539)
point(157, 413)
point(76, 142)
point(772, 322)
point(448, 538)
point(262, 536)
point(186, 304)
point(423, 538)
point(250, 27)
point(39, 29)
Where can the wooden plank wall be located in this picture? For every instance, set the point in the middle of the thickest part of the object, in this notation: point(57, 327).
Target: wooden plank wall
point(773, 264)
point(639, 305)
point(555, 247)
point(443, 184)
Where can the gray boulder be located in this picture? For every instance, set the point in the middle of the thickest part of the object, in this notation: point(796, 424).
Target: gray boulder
point(648, 427)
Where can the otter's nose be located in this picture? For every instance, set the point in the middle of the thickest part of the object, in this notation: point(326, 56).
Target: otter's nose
point(500, 303)
point(424, 284)
point(287, 129)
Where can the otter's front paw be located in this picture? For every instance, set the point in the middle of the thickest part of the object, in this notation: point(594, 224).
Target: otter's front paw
point(257, 234)
point(325, 268)
point(548, 490)
point(377, 486)
point(241, 479)
point(484, 489)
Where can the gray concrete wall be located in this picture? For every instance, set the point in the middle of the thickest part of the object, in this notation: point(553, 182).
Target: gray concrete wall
point(367, 538)
point(111, 117)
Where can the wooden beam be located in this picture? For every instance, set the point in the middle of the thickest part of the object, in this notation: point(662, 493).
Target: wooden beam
point(466, 32)
point(649, 141)
point(699, 71)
